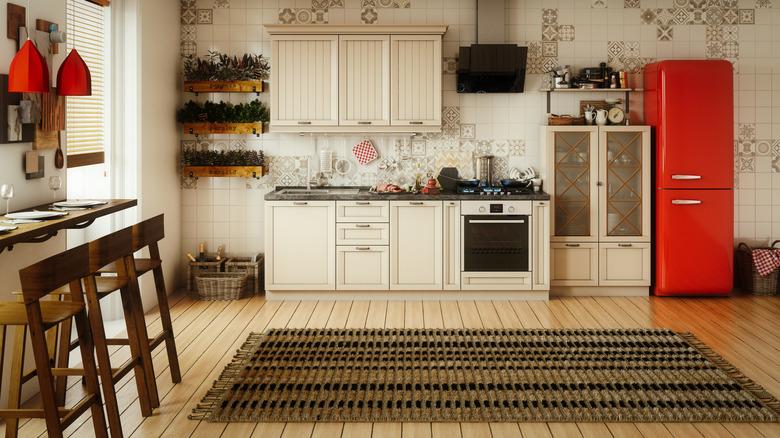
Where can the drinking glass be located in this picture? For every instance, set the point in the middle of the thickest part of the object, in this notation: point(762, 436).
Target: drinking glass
point(55, 183)
point(7, 192)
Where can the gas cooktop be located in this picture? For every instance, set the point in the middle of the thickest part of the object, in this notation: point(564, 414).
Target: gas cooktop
point(495, 191)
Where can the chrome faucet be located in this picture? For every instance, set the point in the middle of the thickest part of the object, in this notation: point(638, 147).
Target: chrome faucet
point(308, 173)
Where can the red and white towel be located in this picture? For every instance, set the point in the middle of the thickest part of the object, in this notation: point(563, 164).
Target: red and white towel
point(766, 261)
point(365, 152)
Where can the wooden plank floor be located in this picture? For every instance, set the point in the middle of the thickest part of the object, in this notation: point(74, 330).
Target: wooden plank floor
point(745, 330)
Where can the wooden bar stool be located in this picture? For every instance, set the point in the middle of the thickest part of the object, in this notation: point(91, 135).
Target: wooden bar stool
point(147, 234)
point(38, 281)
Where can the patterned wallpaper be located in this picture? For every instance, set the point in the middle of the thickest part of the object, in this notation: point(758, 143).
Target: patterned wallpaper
point(625, 33)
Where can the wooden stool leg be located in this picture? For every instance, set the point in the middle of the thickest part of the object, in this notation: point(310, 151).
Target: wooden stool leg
point(87, 348)
point(95, 317)
point(141, 375)
point(63, 355)
point(15, 381)
point(43, 367)
point(142, 335)
point(165, 318)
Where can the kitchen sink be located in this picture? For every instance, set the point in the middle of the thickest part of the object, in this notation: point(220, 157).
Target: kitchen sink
point(328, 191)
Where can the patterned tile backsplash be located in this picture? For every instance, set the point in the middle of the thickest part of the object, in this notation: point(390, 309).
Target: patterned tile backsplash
point(626, 33)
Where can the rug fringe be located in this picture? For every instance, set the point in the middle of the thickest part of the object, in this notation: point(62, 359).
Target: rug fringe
point(766, 398)
point(207, 405)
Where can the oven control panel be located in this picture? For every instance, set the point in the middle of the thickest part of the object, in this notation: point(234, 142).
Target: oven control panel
point(488, 207)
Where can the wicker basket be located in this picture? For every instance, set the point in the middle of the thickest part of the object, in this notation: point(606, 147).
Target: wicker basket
point(251, 266)
point(221, 286)
point(749, 278)
point(198, 268)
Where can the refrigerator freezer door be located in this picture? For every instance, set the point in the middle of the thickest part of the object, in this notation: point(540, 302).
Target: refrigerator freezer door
point(694, 125)
point(695, 243)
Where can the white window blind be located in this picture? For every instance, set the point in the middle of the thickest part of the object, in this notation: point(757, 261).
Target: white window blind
point(86, 118)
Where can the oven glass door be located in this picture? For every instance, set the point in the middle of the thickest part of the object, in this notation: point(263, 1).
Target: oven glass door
point(495, 243)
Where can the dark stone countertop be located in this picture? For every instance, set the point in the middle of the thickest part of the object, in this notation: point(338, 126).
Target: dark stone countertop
point(365, 195)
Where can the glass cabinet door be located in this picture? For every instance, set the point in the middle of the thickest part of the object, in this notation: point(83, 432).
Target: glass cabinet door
point(623, 180)
point(572, 155)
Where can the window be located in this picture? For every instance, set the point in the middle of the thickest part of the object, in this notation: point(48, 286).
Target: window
point(86, 116)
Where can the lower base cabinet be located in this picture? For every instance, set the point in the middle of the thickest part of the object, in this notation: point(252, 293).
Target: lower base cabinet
point(574, 264)
point(600, 264)
point(416, 245)
point(362, 268)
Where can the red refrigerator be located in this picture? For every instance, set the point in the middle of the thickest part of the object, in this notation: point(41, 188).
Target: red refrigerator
point(691, 106)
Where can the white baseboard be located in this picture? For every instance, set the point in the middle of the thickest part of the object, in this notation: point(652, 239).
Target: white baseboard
point(600, 291)
point(425, 295)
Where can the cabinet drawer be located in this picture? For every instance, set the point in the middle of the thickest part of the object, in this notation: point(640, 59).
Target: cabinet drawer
point(362, 211)
point(495, 281)
point(574, 264)
point(362, 268)
point(362, 234)
point(624, 264)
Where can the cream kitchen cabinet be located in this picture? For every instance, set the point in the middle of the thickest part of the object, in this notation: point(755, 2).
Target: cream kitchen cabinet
point(362, 211)
point(416, 245)
point(540, 245)
point(599, 180)
point(364, 80)
point(353, 78)
point(415, 82)
point(305, 81)
point(300, 245)
point(451, 241)
point(362, 268)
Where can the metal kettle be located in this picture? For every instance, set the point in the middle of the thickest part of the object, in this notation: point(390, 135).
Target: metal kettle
point(484, 170)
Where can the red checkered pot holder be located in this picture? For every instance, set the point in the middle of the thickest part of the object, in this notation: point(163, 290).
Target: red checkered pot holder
point(766, 261)
point(365, 152)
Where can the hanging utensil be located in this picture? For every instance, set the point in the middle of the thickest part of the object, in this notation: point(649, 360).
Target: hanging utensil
point(59, 157)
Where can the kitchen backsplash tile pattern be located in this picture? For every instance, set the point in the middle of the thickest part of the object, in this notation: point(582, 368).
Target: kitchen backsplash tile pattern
point(626, 33)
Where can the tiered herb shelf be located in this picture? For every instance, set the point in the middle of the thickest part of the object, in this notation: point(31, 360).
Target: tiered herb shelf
point(197, 87)
point(626, 91)
point(255, 128)
point(224, 171)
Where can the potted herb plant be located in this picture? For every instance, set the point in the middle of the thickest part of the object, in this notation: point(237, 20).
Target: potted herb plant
point(223, 118)
point(218, 72)
point(233, 163)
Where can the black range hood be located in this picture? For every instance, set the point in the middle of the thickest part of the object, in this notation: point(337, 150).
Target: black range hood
point(492, 68)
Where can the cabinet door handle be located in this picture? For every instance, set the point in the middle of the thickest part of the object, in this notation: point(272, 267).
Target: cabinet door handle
point(625, 245)
point(300, 122)
point(416, 123)
point(300, 203)
point(362, 226)
point(686, 201)
point(363, 248)
point(364, 122)
point(686, 177)
point(599, 183)
point(573, 245)
point(362, 203)
point(416, 203)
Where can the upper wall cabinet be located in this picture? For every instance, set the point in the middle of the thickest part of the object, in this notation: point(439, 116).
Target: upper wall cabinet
point(415, 91)
point(364, 80)
point(305, 81)
point(332, 78)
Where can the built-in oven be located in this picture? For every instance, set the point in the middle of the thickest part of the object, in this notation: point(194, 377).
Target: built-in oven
point(496, 236)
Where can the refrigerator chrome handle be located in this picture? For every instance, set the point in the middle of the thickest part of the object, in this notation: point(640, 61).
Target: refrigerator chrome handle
point(686, 177)
point(686, 201)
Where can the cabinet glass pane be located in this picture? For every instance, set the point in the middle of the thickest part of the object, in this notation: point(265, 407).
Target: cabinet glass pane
point(572, 183)
point(624, 183)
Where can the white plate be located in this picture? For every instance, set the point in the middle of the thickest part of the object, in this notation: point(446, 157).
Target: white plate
point(78, 204)
point(36, 215)
point(7, 228)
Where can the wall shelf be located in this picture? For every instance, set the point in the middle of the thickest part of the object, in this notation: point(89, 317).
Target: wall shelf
point(224, 171)
point(196, 87)
point(206, 128)
point(625, 91)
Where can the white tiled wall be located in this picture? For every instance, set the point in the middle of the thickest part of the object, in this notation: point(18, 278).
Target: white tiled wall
point(626, 33)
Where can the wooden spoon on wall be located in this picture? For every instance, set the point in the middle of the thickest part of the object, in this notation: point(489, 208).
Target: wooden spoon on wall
point(59, 157)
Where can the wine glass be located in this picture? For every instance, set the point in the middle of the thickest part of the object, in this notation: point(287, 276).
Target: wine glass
point(7, 192)
point(55, 183)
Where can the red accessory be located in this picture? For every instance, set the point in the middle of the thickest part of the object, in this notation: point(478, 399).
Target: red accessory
point(74, 78)
point(365, 152)
point(29, 72)
point(766, 261)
